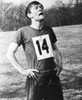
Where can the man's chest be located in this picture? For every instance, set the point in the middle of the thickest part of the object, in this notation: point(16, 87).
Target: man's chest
point(39, 43)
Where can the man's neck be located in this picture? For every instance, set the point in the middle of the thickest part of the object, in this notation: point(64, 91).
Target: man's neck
point(37, 25)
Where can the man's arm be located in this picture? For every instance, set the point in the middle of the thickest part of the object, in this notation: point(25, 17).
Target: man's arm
point(13, 60)
point(57, 58)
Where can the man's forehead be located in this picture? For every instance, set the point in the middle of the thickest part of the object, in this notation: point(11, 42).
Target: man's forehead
point(34, 5)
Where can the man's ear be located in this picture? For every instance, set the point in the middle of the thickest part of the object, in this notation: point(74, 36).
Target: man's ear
point(29, 15)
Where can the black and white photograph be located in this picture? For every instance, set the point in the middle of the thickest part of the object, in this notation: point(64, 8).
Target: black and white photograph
point(40, 49)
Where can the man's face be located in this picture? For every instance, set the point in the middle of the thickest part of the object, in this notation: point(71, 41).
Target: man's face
point(36, 12)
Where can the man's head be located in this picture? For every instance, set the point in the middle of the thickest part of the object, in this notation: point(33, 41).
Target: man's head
point(34, 10)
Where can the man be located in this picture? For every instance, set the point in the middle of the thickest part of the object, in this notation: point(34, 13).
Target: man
point(44, 62)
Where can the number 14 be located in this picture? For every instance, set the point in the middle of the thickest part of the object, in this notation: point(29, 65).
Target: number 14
point(44, 46)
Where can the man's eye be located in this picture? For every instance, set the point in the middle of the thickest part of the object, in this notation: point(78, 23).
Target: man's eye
point(41, 7)
point(36, 7)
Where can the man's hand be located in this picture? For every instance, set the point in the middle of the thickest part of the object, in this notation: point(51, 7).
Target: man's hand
point(57, 59)
point(58, 68)
point(31, 73)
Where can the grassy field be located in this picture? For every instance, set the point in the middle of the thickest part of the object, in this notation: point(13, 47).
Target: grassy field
point(70, 44)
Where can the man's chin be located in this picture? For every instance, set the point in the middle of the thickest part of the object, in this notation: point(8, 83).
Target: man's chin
point(41, 18)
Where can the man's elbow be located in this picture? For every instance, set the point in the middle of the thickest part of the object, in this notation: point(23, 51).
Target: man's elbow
point(11, 51)
point(9, 54)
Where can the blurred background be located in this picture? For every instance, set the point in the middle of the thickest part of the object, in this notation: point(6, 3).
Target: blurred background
point(65, 17)
point(57, 13)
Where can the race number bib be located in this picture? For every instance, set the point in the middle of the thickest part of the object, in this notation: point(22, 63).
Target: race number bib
point(42, 47)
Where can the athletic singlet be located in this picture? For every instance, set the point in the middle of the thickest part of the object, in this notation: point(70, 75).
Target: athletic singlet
point(24, 37)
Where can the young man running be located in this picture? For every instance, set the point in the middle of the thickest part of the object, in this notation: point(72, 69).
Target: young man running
point(44, 61)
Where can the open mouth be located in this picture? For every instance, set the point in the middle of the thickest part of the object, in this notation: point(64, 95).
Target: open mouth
point(40, 13)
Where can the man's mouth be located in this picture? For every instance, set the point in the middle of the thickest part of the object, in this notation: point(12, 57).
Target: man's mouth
point(40, 14)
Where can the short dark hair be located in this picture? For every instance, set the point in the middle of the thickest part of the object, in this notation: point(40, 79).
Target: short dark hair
point(30, 5)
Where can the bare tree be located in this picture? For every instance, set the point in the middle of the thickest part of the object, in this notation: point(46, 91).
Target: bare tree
point(59, 3)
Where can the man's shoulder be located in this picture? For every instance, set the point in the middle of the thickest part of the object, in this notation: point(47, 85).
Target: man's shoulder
point(47, 28)
point(23, 28)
